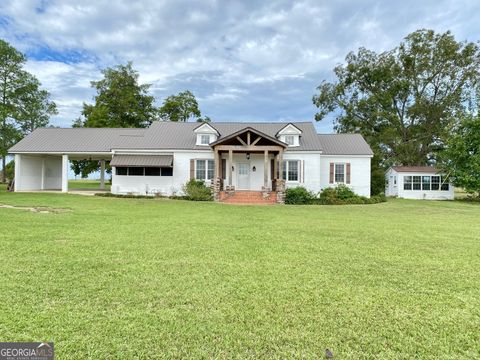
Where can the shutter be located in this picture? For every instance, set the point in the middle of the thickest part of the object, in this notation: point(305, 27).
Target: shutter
point(192, 169)
point(332, 166)
point(348, 173)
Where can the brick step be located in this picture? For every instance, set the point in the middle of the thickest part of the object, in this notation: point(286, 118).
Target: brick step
point(247, 197)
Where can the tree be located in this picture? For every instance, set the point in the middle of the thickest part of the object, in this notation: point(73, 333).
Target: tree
point(403, 101)
point(120, 101)
point(180, 107)
point(461, 158)
point(23, 106)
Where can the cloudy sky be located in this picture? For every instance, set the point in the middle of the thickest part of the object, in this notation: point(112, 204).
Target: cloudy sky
point(243, 60)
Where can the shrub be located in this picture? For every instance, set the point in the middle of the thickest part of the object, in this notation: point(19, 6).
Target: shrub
point(196, 190)
point(343, 195)
point(298, 196)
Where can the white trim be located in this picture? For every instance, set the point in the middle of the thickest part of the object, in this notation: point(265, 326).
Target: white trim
point(344, 164)
point(210, 130)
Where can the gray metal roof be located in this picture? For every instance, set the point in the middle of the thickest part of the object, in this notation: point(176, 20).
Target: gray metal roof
point(178, 136)
point(416, 169)
point(86, 140)
point(142, 160)
point(344, 144)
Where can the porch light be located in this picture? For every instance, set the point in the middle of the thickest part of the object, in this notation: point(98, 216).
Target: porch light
point(254, 169)
point(248, 156)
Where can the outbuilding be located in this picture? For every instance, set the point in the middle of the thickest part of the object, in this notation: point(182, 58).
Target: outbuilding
point(418, 182)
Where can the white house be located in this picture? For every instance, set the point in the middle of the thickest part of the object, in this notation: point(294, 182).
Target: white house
point(418, 182)
point(232, 157)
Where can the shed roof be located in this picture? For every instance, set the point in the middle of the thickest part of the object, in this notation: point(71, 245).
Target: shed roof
point(416, 169)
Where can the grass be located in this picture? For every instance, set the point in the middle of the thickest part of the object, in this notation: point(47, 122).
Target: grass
point(131, 278)
point(84, 184)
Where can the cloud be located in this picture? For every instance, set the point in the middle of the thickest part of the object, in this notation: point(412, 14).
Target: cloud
point(245, 60)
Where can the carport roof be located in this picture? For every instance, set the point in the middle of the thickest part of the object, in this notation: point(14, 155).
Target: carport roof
point(142, 160)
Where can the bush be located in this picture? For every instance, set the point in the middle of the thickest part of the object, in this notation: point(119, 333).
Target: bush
point(343, 195)
point(298, 196)
point(196, 190)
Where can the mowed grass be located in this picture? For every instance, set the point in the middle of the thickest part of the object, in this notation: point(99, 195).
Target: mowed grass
point(127, 278)
point(84, 184)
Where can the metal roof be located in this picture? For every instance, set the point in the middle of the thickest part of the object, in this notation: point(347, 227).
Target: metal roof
point(178, 136)
point(416, 169)
point(142, 160)
point(88, 140)
point(344, 144)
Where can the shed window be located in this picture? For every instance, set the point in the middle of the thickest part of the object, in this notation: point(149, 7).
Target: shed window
point(407, 183)
point(435, 182)
point(425, 182)
point(417, 183)
point(445, 186)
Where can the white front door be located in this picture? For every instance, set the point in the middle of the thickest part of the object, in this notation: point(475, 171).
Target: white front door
point(243, 176)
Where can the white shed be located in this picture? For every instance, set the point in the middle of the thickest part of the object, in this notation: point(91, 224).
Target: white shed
point(418, 182)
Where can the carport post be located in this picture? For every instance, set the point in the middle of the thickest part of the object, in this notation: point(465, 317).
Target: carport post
point(64, 173)
point(102, 174)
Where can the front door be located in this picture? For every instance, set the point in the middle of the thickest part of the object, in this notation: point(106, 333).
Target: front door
point(243, 176)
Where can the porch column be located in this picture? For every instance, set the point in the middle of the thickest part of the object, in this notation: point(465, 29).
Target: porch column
point(102, 174)
point(216, 164)
point(17, 182)
point(64, 173)
point(230, 164)
point(280, 164)
point(42, 186)
point(275, 167)
point(265, 168)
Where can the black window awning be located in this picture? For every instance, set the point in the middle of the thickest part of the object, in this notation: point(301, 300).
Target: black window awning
point(142, 160)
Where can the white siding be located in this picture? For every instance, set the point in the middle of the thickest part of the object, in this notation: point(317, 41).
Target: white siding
point(309, 170)
point(359, 173)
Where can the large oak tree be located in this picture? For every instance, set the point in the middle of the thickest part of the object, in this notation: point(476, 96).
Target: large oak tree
point(404, 101)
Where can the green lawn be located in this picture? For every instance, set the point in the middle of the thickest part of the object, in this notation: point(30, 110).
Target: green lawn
point(87, 184)
point(127, 278)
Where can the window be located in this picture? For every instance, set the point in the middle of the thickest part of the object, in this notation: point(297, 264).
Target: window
point(417, 183)
point(204, 139)
point(435, 182)
point(204, 169)
point(444, 184)
point(167, 171)
point(290, 170)
point(407, 183)
point(152, 171)
point(289, 139)
point(121, 170)
point(339, 173)
point(425, 182)
point(135, 171)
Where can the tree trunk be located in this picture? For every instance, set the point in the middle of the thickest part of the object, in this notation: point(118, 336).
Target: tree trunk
point(4, 170)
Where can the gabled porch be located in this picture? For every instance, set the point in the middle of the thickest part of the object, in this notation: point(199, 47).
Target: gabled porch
point(248, 160)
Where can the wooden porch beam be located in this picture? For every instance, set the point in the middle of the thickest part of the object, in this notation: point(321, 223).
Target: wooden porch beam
point(256, 140)
point(247, 148)
point(265, 169)
point(241, 141)
point(248, 137)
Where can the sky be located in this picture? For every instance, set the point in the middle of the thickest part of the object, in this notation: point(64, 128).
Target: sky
point(243, 60)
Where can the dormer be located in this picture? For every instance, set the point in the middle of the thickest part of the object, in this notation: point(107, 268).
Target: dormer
point(290, 135)
point(206, 134)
